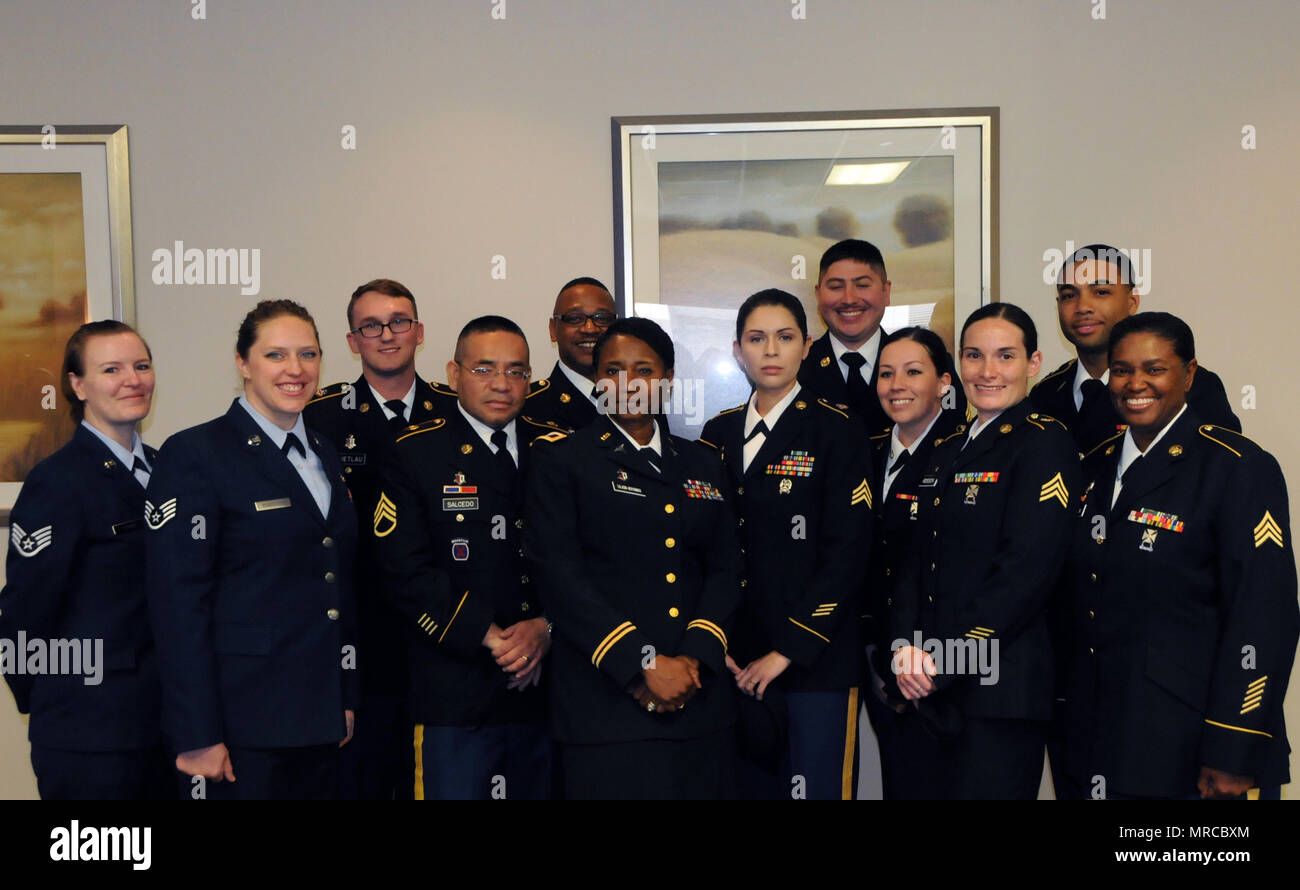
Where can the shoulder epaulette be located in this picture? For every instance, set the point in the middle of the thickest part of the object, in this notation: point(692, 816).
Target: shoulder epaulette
point(1103, 444)
point(1039, 420)
point(427, 426)
point(1217, 434)
point(442, 389)
point(960, 431)
point(329, 392)
point(545, 424)
point(1068, 366)
point(710, 444)
point(741, 407)
point(538, 386)
point(555, 436)
point(885, 435)
point(829, 407)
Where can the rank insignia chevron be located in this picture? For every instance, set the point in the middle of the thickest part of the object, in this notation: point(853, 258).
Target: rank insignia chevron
point(30, 545)
point(861, 494)
point(1254, 695)
point(1268, 530)
point(385, 512)
point(1055, 488)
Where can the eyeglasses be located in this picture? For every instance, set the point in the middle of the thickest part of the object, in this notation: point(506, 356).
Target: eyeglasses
point(577, 319)
point(487, 372)
point(372, 329)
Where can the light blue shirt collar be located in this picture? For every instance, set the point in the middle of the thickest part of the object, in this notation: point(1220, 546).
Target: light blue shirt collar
point(273, 432)
point(124, 457)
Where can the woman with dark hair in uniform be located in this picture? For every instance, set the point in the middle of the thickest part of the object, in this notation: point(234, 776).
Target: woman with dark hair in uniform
point(970, 631)
point(634, 547)
point(798, 471)
point(250, 579)
point(914, 385)
point(76, 574)
point(1182, 592)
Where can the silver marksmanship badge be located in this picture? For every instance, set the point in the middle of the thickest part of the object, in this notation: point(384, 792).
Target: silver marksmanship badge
point(31, 544)
point(785, 485)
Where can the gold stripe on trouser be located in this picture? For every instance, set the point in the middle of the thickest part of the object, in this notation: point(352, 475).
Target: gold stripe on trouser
point(1252, 794)
point(850, 746)
point(419, 761)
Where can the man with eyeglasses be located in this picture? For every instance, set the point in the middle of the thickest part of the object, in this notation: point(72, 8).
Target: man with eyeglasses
point(447, 529)
point(583, 309)
point(361, 419)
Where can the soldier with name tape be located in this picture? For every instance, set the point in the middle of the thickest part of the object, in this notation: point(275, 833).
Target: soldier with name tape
point(446, 530)
point(360, 420)
point(969, 623)
point(798, 478)
point(1183, 619)
point(75, 574)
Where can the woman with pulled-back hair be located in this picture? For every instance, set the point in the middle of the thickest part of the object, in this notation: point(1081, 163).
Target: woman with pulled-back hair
point(971, 649)
point(76, 573)
point(250, 580)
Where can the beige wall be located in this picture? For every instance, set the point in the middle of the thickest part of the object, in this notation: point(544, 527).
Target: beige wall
point(479, 137)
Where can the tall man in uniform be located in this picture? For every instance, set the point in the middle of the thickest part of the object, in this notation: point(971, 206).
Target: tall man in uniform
point(852, 295)
point(1094, 290)
point(360, 420)
point(583, 309)
point(447, 529)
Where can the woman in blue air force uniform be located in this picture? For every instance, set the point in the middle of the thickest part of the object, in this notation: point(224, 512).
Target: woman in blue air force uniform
point(996, 512)
point(797, 468)
point(250, 579)
point(76, 573)
point(1182, 619)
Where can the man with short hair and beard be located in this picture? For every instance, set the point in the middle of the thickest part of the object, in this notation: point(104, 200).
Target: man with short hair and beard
point(1094, 290)
point(583, 309)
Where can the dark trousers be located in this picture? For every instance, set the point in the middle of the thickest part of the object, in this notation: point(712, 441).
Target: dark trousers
point(377, 763)
point(653, 769)
point(990, 760)
point(309, 773)
point(510, 761)
point(103, 775)
point(907, 753)
point(821, 752)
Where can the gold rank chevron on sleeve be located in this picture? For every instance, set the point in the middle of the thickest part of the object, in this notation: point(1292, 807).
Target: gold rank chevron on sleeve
point(861, 494)
point(1054, 488)
point(385, 516)
point(1268, 530)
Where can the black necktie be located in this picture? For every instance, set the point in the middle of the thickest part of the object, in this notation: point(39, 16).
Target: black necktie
point(651, 457)
point(499, 439)
point(759, 427)
point(292, 442)
point(1092, 391)
point(899, 461)
point(859, 390)
point(139, 464)
point(398, 420)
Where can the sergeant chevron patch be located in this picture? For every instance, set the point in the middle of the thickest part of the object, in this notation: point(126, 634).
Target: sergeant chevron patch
point(1055, 488)
point(861, 494)
point(31, 544)
point(157, 517)
point(385, 516)
point(1268, 530)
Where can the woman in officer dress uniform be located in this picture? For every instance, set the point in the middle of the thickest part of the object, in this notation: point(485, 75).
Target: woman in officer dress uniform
point(1182, 619)
point(969, 622)
point(797, 469)
point(914, 384)
point(76, 574)
point(634, 548)
point(250, 557)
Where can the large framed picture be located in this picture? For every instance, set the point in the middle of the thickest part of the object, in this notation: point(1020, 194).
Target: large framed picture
point(65, 258)
point(710, 209)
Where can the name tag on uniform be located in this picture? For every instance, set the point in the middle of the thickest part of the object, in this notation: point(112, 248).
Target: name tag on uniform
point(272, 504)
point(623, 488)
point(130, 525)
point(356, 460)
point(459, 504)
point(928, 482)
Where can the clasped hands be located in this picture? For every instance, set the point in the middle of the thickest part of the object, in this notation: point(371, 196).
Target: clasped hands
point(519, 650)
point(668, 684)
